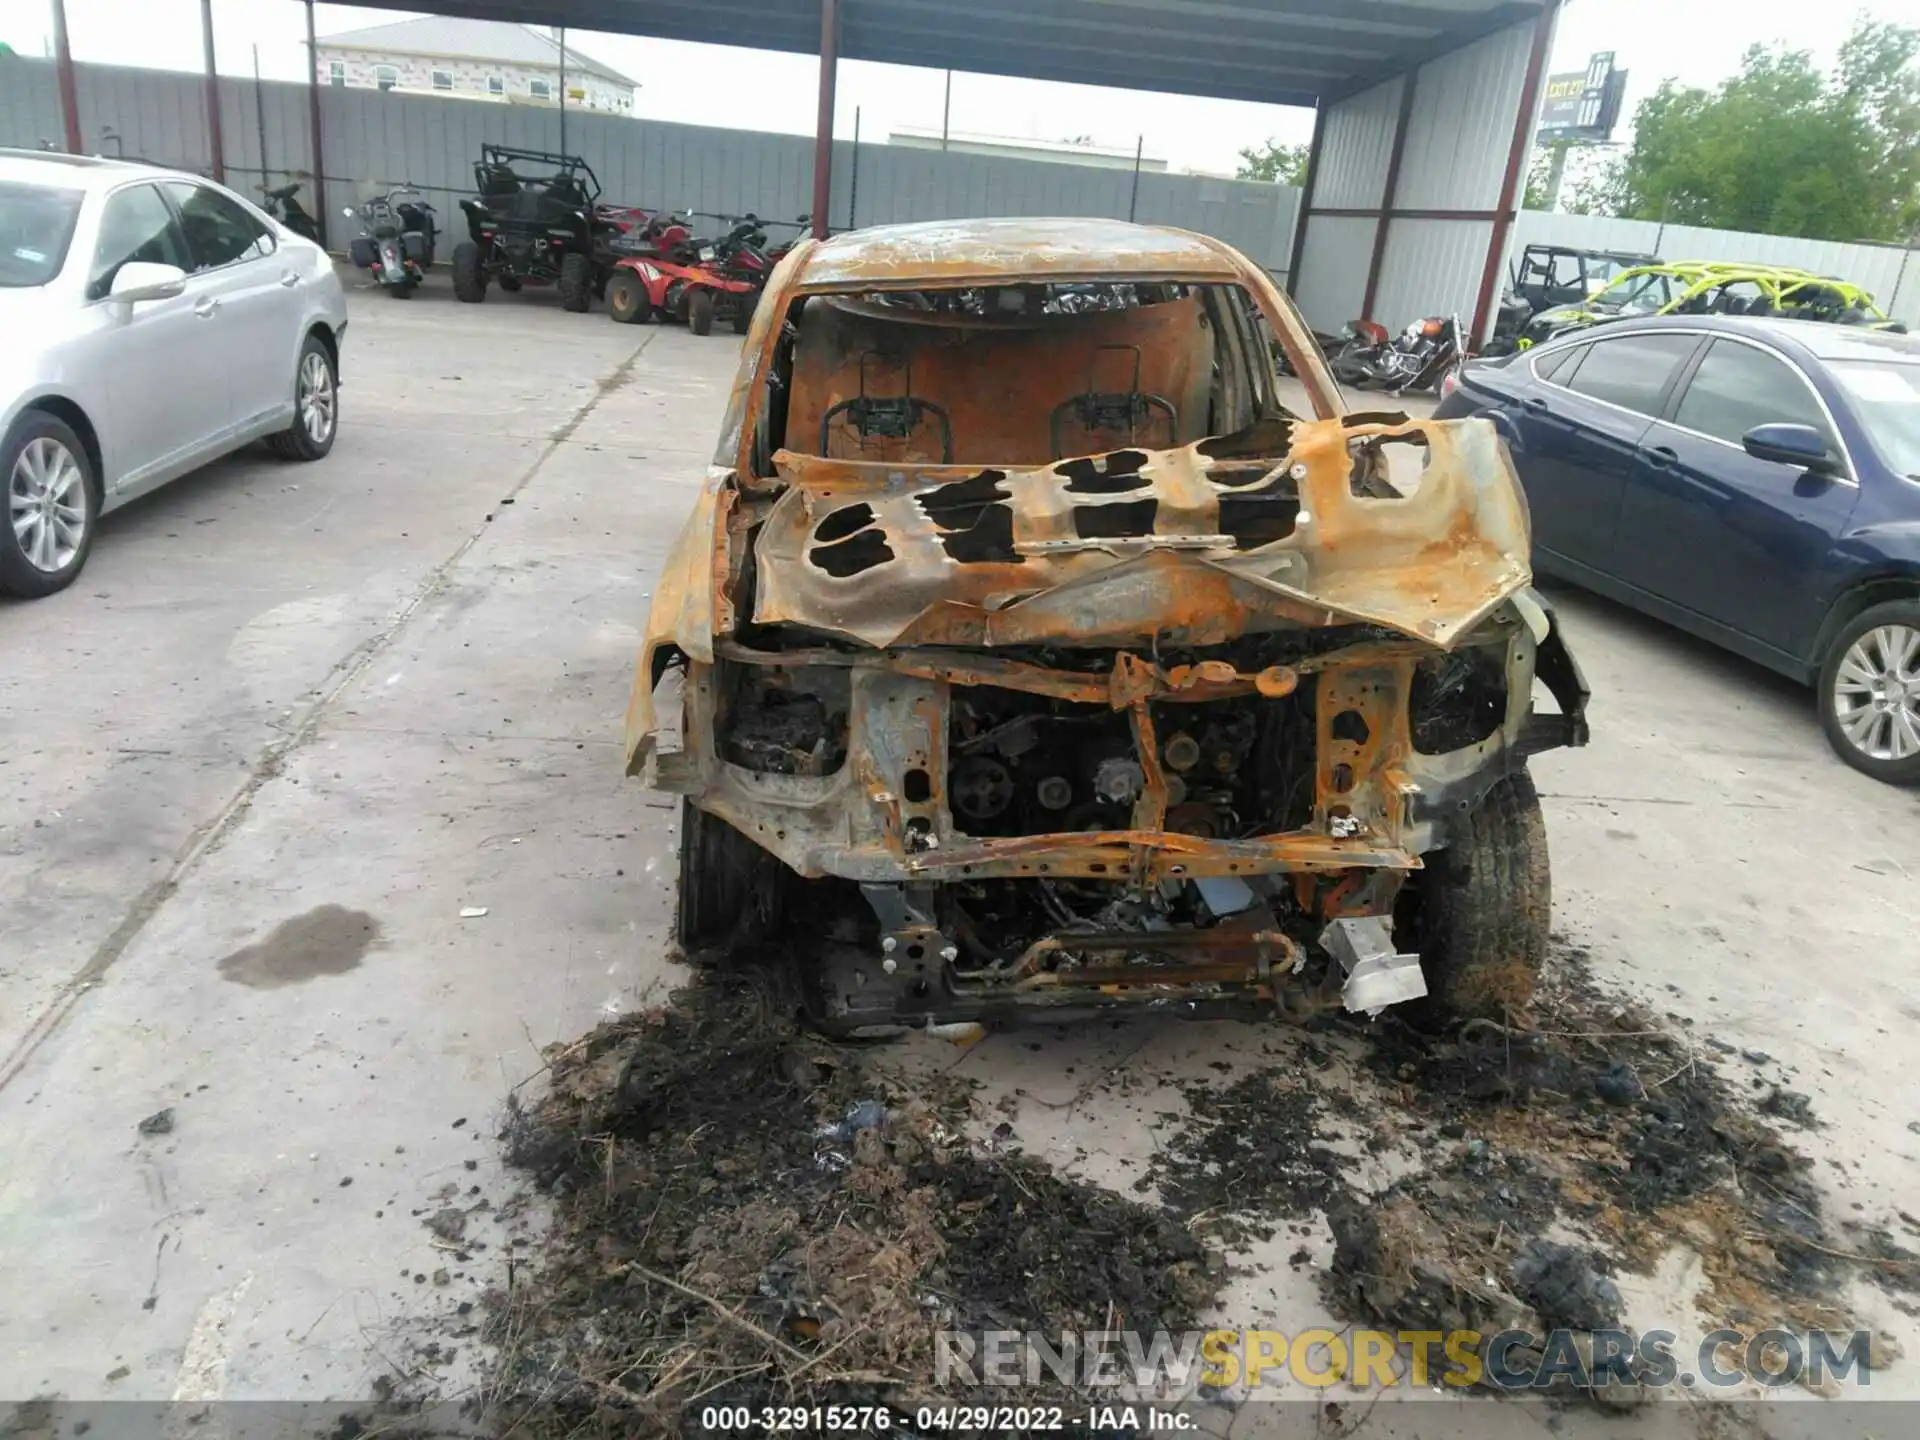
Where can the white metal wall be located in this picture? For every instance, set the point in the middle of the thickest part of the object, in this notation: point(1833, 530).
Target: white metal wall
point(1335, 257)
point(1459, 135)
point(371, 139)
point(1431, 267)
point(1458, 138)
point(1461, 127)
point(1355, 146)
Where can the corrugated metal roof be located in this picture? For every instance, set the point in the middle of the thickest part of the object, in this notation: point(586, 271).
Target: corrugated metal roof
point(980, 251)
point(1283, 52)
point(450, 37)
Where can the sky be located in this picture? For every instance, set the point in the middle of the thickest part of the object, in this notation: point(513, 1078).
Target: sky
point(1698, 42)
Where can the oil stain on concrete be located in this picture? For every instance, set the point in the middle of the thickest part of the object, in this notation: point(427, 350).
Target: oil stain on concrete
point(327, 940)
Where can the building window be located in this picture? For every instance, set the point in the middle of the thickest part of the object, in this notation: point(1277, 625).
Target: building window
point(443, 79)
point(337, 72)
point(496, 85)
point(539, 90)
point(385, 76)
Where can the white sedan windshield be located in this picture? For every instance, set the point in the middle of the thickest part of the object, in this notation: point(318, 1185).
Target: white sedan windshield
point(36, 226)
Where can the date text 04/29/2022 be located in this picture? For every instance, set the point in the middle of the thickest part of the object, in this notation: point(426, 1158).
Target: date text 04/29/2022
point(938, 1419)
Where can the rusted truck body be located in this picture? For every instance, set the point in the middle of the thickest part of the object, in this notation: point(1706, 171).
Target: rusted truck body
point(1024, 655)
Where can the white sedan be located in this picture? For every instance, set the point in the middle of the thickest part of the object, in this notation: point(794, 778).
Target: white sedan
point(153, 322)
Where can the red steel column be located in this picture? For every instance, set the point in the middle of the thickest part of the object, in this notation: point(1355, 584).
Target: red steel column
point(1516, 164)
point(213, 96)
point(823, 122)
point(320, 211)
point(63, 73)
point(1388, 192)
point(1306, 197)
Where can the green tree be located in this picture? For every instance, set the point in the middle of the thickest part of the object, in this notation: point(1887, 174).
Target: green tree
point(1285, 164)
point(1784, 149)
point(1538, 169)
point(1586, 187)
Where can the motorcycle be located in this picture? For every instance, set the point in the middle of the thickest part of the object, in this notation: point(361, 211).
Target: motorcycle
point(1415, 359)
point(398, 244)
point(290, 212)
point(1358, 349)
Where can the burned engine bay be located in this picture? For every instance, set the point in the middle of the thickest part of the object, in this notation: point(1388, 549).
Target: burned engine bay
point(1033, 818)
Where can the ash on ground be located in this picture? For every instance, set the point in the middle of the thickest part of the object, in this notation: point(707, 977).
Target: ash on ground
point(746, 1215)
point(1596, 1119)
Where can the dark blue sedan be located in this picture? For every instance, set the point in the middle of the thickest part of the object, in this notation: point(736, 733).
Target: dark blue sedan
point(1755, 482)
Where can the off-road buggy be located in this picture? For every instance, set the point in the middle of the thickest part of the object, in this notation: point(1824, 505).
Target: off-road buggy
point(1024, 656)
point(536, 221)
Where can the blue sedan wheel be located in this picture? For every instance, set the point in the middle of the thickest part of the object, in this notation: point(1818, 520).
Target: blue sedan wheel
point(1870, 693)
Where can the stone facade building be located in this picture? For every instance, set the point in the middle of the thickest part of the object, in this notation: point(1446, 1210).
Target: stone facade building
point(471, 59)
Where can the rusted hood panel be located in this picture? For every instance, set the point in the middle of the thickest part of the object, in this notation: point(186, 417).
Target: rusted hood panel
point(1134, 544)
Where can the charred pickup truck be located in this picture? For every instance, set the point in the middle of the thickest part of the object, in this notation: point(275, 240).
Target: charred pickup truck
point(1024, 656)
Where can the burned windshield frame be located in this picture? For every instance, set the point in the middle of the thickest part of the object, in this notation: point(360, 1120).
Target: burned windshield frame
point(1241, 387)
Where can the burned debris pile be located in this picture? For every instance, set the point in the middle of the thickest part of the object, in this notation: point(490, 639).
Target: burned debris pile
point(743, 1215)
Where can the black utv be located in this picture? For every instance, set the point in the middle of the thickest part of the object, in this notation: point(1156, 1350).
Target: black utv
point(1546, 276)
point(534, 222)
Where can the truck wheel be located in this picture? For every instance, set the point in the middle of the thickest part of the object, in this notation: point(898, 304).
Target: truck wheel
point(700, 312)
point(469, 275)
point(510, 284)
point(1478, 914)
point(1870, 692)
point(731, 891)
point(576, 282)
point(627, 301)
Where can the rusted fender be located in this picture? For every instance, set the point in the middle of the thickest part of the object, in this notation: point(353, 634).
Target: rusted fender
point(689, 606)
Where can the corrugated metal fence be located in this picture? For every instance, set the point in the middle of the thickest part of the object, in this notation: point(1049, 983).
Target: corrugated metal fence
point(371, 139)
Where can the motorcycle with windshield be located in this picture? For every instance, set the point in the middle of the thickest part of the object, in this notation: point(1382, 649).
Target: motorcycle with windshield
point(397, 246)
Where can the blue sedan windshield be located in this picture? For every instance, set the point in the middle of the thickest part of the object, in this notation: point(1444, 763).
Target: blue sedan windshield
point(36, 226)
point(1886, 397)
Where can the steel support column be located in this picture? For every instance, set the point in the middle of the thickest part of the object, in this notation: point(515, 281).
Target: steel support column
point(1408, 83)
point(1516, 165)
point(1306, 196)
point(320, 211)
point(823, 121)
point(218, 151)
point(63, 72)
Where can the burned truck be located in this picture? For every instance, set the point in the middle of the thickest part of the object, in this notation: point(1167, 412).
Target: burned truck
point(1025, 656)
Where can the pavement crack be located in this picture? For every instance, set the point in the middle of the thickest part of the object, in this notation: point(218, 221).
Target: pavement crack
point(271, 763)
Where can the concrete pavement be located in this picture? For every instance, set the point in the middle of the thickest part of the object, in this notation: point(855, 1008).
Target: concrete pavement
point(294, 719)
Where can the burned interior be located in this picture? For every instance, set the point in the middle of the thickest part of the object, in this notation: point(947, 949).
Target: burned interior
point(1031, 656)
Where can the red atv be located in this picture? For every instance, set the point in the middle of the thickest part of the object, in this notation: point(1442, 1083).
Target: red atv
point(665, 271)
point(743, 253)
point(642, 286)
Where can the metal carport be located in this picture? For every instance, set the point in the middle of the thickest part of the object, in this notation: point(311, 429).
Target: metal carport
point(1424, 108)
